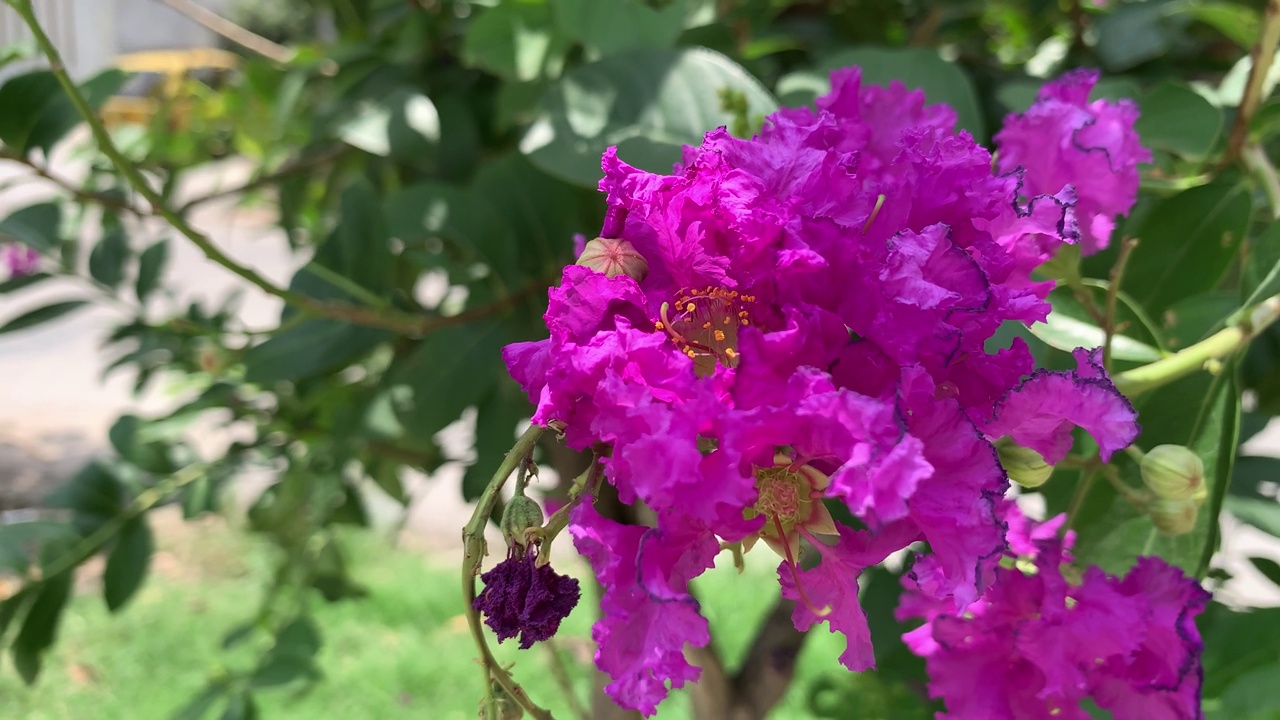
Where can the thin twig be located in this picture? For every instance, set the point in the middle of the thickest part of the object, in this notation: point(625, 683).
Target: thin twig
point(79, 193)
point(231, 31)
point(1113, 291)
point(1077, 498)
point(285, 171)
point(1263, 54)
point(1259, 165)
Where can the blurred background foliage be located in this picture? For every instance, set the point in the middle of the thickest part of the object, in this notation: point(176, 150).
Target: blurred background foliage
point(433, 159)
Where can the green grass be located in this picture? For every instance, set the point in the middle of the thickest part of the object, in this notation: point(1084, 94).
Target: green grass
point(401, 652)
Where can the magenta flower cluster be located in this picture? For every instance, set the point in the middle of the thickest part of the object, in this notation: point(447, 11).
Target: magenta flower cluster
point(806, 319)
point(19, 260)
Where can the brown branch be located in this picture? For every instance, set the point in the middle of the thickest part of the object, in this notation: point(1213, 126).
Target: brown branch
point(1263, 54)
point(231, 31)
point(79, 193)
point(288, 169)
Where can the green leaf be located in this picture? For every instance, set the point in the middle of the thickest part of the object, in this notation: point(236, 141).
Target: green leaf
point(543, 212)
point(37, 226)
point(40, 627)
point(199, 706)
point(150, 268)
point(1135, 33)
point(513, 40)
point(917, 68)
point(451, 370)
point(128, 562)
point(95, 495)
point(1267, 567)
point(1254, 695)
point(1068, 327)
point(292, 657)
point(24, 98)
point(241, 707)
point(309, 349)
point(1186, 243)
point(1262, 513)
point(1242, 25)
point(403, 124)
point(1192, 318)
point(41, 315)
point(19, 282)
point(1176, 118)
point(59, 116)
point(1236, 643)
point(607, 27)
point(650, 103)
point(1261, 277)
point(1251, 471)
point(466, 221)
point(496, 418)
point(106, 260)
point(358, 249)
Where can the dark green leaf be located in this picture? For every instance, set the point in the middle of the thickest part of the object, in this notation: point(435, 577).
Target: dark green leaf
point(37, 226)
point(311, 348)
point(201, 704)
point(60, 117)
point(1214, 440)
point(1186, 243)
point(292, 657)
point(19, 282)
point(469, 223)
point(1176, 118)
point(94, 494)
point(451, 370)
point(1241, 24)
point(11, 608)
point(1192, 318)
point(40, 626)
point(106, 260)
point(358, 248)
point(1135, 33)
point(403, 124)
point(512, 40)
point(922, 68)
point(1236, 643)
point(128, 562)
point(24, 98)
point(650, 103)
point(1262, 513)
point(1254, 695)
point(542, 211)
point(241, 707)
point(1267, 567)
point(496, 418)
point(40, 315)
point(607, 27)
point(150, 268)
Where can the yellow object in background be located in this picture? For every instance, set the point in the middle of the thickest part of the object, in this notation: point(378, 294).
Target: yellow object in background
point(158, 79)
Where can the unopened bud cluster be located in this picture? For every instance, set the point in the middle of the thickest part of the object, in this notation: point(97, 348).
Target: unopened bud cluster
point(1024, 465)
point(521, 516)
point(1175, 476)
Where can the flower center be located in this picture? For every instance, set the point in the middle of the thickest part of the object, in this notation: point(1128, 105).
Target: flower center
point(790, 499)
point(704, 324)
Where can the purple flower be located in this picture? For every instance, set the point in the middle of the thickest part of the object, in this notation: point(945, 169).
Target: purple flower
point(1065, 140)
point(812, 329)
point(1035, 646)
point(20, 259)
point(522, 600)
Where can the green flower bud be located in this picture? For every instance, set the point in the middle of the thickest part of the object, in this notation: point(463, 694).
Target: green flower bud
point(614, 257)
point(1172, 472)
point(521, 516)
point(1024, 465)
point(1173, 517)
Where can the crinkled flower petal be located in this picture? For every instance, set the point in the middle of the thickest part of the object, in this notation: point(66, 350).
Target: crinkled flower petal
point(522, 600)
point(1040, 413)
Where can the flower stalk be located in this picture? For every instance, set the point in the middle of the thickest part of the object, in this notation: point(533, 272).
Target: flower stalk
point(474, 550)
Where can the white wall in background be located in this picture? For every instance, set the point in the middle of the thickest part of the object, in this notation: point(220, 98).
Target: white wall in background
point(82, 30)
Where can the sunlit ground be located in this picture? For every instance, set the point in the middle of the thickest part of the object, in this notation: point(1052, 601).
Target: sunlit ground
point(401, 652)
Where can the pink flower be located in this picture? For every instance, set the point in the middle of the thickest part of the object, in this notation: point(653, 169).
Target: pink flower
point(20, 259)
point(1035, 646)
point(1065, 140)
point(812, 329)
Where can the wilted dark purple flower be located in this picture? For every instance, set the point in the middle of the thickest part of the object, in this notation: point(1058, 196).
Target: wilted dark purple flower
point(521, 599)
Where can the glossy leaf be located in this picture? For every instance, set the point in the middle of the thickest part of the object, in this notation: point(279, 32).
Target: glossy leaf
point(358, 248)
point(151, 265)
point(1067, 330)
point(650, 103)
point(311, 348)
point(37, 226)
point(40, 626)
point(403, 124)
point(511, 40)
point(470, 224)
point(128, 563)
point(106, 260)
point(1176, 118)
point(1186, 243)
point(922, 68)
point(606, 27)
point(41, 315)
point(1241, 24)
point(450, 370)
point(543, 212)
point(59, 117)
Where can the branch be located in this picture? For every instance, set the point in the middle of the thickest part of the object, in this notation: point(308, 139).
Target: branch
point(385, 318)
point(84, 196)
point(770, 665)
point(1190, 359)
point(231, 31)
point(1113, 292)
point(1263, 54)
point(293, 167)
